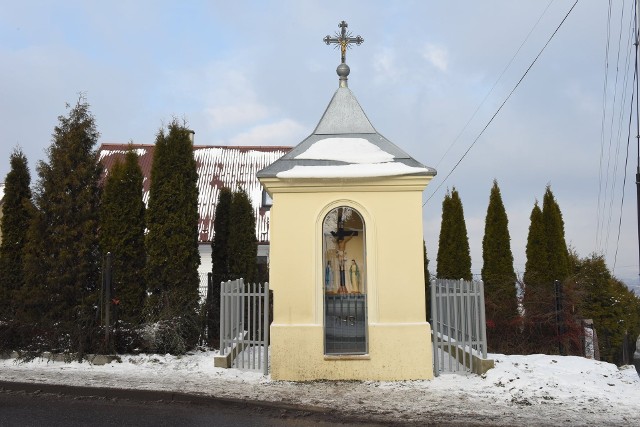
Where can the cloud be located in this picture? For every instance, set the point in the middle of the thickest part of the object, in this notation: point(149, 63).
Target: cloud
point(224, 100)
point(232, 115)
point(436, 56)
point(283, 132)
point(385, 65)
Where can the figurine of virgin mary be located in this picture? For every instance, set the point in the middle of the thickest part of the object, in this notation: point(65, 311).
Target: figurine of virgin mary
point(354, 277)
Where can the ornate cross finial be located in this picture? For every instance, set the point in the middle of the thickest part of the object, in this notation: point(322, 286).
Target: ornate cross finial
point(344, 39)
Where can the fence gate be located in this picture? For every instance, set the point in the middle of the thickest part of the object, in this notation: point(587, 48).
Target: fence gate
point(244, 325)
point(458, 326)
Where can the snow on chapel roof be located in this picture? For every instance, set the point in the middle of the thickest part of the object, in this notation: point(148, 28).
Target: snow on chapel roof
point(345, 145)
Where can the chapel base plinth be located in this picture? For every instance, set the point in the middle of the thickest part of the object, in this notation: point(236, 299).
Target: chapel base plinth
point(397, 352)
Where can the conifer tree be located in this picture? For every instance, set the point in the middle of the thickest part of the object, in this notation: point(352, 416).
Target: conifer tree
point(32, 299)
point(536, 267)
point(61, 255)
point(220, 241)
point(172, 238)
point(243, 249)
point(614, 308)
point(122, 233)
point(442, 258)
point(454, 259)
point(219, 260)
point(547, 261)
point(498, 275)
point(427, 283)
point(15, 221)
point(497, 270)
point(557, 253)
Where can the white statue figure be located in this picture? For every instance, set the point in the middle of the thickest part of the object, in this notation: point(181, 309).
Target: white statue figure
point(354, 277)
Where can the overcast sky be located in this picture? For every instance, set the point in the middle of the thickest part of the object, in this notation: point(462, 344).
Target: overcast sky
point(258, 73)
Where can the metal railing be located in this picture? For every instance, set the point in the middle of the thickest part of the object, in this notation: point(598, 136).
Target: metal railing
point(458, 324)
point(244, 324)
point(203, 287)
point(345, 324)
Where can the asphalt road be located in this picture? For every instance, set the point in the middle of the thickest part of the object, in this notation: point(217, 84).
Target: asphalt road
point(34, 408)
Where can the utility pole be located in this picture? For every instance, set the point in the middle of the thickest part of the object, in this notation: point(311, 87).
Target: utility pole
point(107, 304)
point(637, 45)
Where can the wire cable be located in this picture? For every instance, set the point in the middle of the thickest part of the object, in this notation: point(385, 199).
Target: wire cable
point(494, 84)
point(602, 125)
point(502, 105)
point(626, 162)
point(609, 212)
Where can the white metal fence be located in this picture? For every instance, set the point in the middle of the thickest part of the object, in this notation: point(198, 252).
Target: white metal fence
point(244, 324)
point(458, 323)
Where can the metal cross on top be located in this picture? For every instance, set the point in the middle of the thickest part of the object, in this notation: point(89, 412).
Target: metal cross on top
point(343, 39)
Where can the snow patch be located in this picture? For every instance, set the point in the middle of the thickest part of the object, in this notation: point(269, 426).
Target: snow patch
point(351, 171)
point(107, 153)
point(350, 150)
point(520, 390)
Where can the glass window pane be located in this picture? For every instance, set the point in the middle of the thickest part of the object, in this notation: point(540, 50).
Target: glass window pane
point(345, 302)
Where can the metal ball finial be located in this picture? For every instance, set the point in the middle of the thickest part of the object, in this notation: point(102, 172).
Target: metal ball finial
point(343, 71)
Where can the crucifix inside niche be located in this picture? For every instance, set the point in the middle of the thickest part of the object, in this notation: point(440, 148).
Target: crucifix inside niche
point(342, 237)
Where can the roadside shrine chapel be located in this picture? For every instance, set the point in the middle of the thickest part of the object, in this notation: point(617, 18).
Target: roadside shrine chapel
point(348, 281)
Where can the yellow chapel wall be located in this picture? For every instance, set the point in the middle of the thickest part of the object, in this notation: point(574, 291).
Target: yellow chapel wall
point(398, 335)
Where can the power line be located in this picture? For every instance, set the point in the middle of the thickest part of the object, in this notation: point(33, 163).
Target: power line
point(626, 161)
point(494, 84)
point(501, 105)
point(609, 212)
point(606, 177)
point(602, 124)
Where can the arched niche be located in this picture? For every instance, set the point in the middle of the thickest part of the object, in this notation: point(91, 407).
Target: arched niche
point(344, 282)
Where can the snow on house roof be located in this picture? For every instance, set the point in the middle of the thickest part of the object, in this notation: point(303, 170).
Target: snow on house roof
point(218, 167)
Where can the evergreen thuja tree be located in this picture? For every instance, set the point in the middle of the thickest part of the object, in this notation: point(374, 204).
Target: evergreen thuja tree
point(243, 248)
point(536, 267)
point(553, 326)
point(442, 257)
point(547, 261)
point(172, 240)
point(557, 253)
point(122, 227)
point(220, 241)
point(16, 213)
point(427, 283)
point(33, 297)
point(62, 262)
point(498, 274)
point(454, 258)
point(219, 261)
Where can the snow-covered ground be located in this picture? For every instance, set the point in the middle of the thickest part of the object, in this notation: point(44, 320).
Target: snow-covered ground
point(520, 390)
